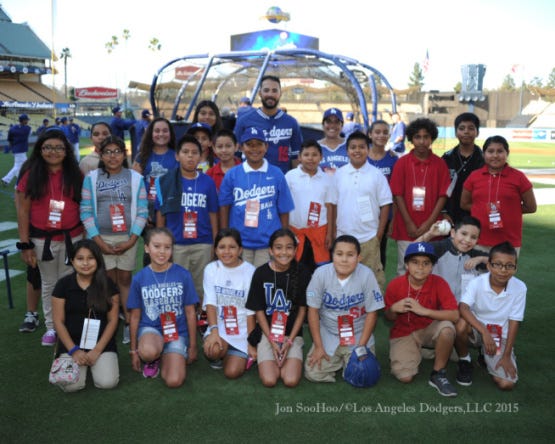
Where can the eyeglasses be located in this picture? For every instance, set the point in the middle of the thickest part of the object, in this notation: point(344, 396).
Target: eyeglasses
point(53, 149)
point(500, 266)
point(108, 153)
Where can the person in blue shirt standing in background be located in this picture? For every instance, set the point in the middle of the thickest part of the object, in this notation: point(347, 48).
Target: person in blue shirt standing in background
point(41, 129)
point(18, 140)
point(281, 131)
point(73, 136)
point(140, 128)
point(118, 124)
point(397, 138)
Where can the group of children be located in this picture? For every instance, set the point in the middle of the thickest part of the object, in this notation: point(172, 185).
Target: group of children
point(295, 248)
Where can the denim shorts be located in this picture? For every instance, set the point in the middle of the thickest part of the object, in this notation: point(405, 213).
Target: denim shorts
point(231, 350)
point(179, 346)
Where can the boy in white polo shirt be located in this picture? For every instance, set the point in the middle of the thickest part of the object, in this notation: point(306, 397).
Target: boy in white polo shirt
point(312, 218)
point(362, 198)
point(493, 306)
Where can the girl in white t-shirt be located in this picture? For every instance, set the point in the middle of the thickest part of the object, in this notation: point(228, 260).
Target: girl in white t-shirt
point(226, 287)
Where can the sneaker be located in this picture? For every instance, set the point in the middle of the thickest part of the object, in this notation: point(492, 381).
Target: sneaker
point(49, 338)
point(126, 336)
point(151, 369)
point(441, 383)
point(217, 364)
point(30, 323)
point(464, 375)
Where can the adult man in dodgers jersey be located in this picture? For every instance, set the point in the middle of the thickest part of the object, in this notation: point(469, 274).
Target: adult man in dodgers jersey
point(282, 132)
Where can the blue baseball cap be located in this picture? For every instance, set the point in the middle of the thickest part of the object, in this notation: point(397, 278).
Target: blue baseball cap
point(200, 126)
point(63, 119)
point(245, 100)
point(350, 115)
point(252, 133)
point(23, 117)
point(333, 112)
point(116, 109)
point(421, 249)
point(145, 113)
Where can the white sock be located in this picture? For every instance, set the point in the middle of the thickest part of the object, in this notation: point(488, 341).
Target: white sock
point(465, 358)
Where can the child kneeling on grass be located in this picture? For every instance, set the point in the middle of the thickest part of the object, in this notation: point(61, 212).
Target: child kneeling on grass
point(163, 320)
point(424, 311)
point(343, 301)
point(226, 287)
point(278, 296)
point(493, 306)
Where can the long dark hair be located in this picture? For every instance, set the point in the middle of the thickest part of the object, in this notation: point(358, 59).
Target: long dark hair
point(218, 126)
point(37, 182)
point(147, 144)
point(98, 297)
point(112, 140)
point(293, 267)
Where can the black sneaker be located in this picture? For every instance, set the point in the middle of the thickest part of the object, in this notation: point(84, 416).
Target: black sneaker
point(464, 375)
point(30, 323)
point(441, 383)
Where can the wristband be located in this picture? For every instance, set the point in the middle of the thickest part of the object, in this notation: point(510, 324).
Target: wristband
point(209, 330)
point(73, 350)
point(289, 342)
point(132, 352)
point(25, 245)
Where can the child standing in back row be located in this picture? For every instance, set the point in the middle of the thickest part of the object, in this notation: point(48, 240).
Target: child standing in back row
point(312, 219)
point(419, 186)
point(254, 198)
point(225, 147)
point(187, 204)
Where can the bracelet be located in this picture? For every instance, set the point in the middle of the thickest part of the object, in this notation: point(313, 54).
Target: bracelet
point(289, 341)
point(25, 245)
point(132, 352)
point(73, 350)
point(209, 331)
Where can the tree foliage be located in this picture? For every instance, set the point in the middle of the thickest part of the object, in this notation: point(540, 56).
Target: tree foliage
point(551, 79)
point(416, 78)
point(508, 83)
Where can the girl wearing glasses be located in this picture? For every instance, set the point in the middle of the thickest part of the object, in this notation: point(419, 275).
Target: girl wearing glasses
point(114, 212)
point(47, 196)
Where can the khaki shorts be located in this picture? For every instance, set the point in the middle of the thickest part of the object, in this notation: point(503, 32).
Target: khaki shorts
point(492, 361)
point(266, 353)
point(404, 352)
point(370, 256)
point(126, 261)
point(327, 369)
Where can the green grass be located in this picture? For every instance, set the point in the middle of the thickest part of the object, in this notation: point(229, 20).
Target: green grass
point(522, 154)
point(210, 408)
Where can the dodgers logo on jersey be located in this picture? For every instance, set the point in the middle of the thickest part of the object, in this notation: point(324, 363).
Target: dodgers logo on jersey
point(275, 300)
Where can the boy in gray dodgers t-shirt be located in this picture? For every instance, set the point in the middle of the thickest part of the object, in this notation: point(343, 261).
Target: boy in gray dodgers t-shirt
point(343, 299)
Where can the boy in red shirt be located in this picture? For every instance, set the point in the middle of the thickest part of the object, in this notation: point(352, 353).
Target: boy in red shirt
point(424, 311)
point(419, 184)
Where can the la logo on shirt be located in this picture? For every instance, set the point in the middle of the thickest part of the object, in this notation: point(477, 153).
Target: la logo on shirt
point(275, 300)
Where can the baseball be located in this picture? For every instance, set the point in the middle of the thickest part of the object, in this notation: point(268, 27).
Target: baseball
point(444, 227)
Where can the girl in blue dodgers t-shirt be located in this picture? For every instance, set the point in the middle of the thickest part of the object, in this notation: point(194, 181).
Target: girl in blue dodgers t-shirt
point(163, 321)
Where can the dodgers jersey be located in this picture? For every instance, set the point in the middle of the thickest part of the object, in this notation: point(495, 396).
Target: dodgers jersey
point(282, 133)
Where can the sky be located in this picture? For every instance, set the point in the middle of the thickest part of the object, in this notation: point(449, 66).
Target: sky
point(389, 35)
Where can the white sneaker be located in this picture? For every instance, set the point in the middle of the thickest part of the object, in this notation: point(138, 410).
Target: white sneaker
point(126, 335)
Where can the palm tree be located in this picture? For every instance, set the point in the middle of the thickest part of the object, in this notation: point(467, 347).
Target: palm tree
point(64, 55)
